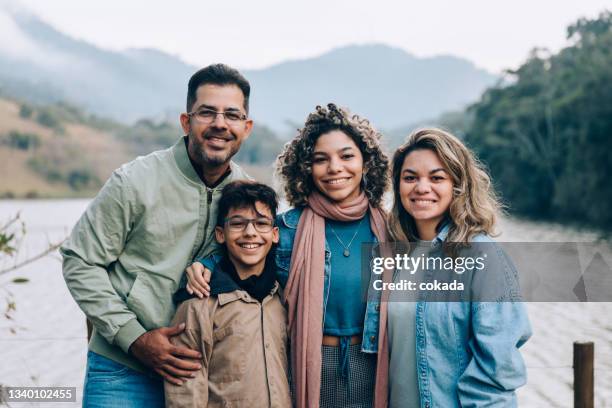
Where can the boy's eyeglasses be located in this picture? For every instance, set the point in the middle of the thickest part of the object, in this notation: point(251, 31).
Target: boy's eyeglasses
point(239, 224)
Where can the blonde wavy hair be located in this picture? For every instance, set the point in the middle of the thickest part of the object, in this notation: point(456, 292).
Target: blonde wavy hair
point(474, 208)
point(294, 164)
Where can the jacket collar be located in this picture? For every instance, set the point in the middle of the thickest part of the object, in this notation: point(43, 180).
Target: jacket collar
point(239, 294)
point(443, 233)
point(224, 287)
point(291, 218)
point(221, 282)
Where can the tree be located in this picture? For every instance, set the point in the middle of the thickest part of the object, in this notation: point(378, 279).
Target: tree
point(546, 133)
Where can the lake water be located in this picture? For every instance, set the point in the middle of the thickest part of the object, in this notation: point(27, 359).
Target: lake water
point(49, 346)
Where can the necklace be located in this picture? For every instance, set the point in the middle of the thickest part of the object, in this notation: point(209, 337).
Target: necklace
point(346, 251)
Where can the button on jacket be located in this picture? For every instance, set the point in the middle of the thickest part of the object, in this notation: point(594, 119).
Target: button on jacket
point(244, 348)
point(127, 253)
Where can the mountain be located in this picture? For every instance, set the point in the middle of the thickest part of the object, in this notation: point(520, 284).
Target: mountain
point(387, 85)
point(124, 85)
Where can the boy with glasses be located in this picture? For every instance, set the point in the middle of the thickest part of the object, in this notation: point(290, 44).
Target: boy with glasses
point(241, 329)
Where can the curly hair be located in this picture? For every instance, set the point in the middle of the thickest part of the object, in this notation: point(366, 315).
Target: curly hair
point(475, 206)
point(294, 164)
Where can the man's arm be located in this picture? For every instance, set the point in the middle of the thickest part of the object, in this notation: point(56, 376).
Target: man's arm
point(96, 241)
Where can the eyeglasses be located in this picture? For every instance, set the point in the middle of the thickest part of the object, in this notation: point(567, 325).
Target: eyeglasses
point(239, 224)
point(208, 116)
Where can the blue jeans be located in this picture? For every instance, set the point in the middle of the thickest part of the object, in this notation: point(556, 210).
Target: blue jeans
point(112, 385)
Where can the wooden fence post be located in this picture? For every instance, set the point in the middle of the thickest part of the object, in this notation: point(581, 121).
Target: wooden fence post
point(584, 381)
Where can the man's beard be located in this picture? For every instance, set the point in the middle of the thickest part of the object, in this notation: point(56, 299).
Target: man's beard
point(199, 154)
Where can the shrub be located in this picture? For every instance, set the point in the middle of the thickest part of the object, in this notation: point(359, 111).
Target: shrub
point(25, 111)
point(23, 141)
point(50, 120)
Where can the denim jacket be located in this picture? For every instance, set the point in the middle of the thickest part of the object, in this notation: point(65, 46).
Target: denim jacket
point(287, 223)
point(467, 352)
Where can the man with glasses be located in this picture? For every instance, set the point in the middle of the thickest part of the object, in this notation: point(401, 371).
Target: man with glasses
point(127, 253)
point(241, 329)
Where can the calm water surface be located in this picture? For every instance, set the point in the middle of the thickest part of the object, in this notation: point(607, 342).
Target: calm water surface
point(49, 346)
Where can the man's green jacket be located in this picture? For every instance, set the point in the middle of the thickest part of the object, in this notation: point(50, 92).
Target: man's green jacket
point(126, 255)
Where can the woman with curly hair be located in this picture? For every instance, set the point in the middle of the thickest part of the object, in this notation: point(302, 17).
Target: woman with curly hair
point(334, 174)
point(461, 353)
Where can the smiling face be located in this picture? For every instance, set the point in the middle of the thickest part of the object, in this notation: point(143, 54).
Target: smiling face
point(215, 143)
point(425, 189)
point(247, 249)
point(337, 166)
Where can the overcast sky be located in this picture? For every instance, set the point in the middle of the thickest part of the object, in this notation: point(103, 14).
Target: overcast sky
point(257, 33)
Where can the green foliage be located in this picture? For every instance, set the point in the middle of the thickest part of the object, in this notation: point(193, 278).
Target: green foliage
point(6, 243)
point(46, 167)
point(261, 147)
point(48, 118)
point(81, 179)
point(22, 140)
point(54, 116)
point(546, 134)
point(457, 122)
point(10, 233)
point(55, 170)
point(25, 111)
point(146, 136)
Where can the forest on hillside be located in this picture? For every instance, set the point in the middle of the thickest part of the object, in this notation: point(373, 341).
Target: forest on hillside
point(546, 134)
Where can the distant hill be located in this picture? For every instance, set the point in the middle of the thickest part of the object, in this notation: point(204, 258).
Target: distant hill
point(388, 85)
point(43, 156)
point(58, 150)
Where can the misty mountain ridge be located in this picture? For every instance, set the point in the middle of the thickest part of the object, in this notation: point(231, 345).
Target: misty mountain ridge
point(385, 84)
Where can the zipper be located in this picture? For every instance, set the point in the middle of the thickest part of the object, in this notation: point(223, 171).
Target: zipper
point(326, 293)
point(209, 197)
point(263, 343)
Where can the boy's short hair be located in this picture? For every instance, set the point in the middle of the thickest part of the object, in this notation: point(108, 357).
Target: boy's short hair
point(244, 194)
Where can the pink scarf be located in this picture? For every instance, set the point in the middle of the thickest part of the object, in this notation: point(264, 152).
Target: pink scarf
point(304, 296)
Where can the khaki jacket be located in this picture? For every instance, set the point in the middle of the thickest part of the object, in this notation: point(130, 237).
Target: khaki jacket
point(244, 344)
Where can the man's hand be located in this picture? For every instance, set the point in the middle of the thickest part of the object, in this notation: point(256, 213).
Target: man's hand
point(197, 280)
point(175, 364)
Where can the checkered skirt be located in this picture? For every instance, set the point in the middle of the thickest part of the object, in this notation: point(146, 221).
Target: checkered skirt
point(356, 391)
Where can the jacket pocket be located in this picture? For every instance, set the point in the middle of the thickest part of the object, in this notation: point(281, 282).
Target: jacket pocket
point(283, 258)
point(150, 299)
point(103, 369)
point(228, 362)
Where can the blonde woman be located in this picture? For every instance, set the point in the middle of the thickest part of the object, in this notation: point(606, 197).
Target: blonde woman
point(451, 354)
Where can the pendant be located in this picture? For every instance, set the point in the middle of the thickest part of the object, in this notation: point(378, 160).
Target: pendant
point(346, 253)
